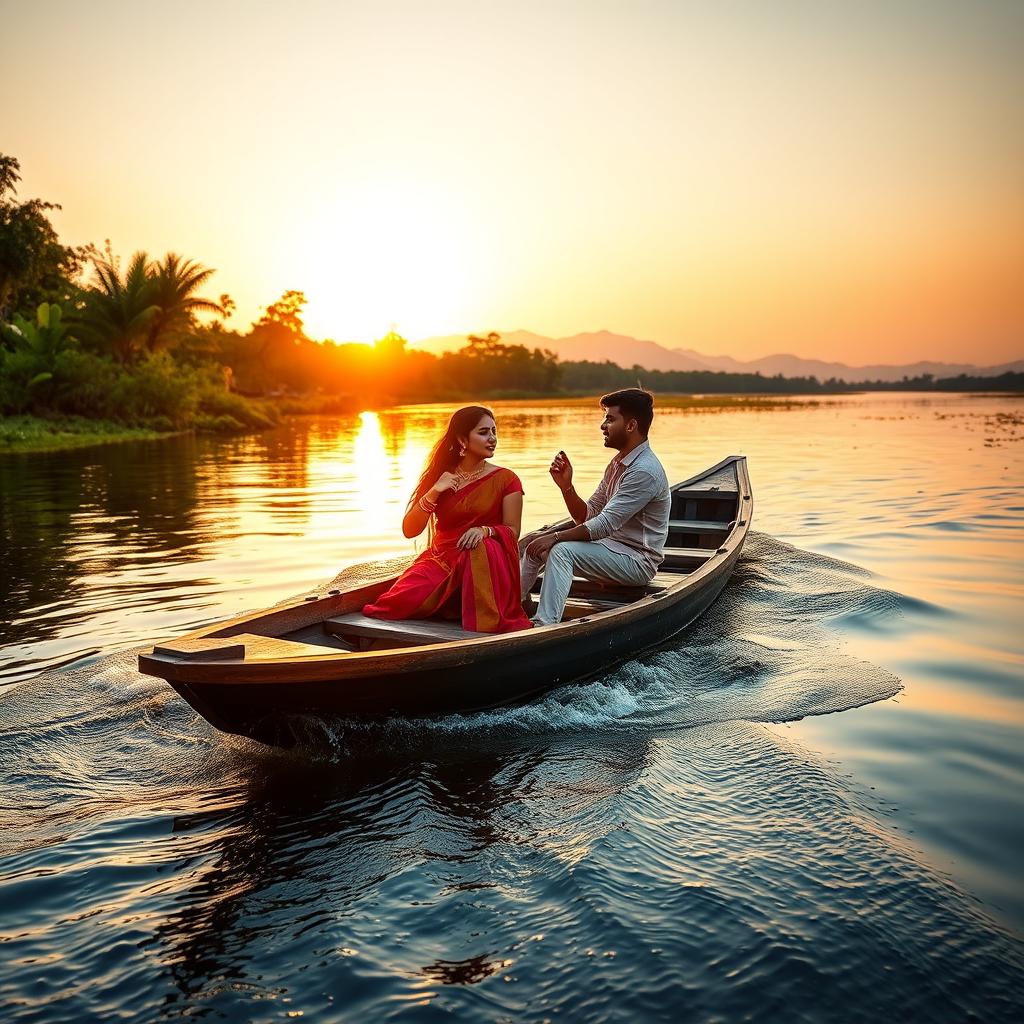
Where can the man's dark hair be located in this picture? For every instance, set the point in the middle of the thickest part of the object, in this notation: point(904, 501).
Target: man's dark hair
point(633, 403)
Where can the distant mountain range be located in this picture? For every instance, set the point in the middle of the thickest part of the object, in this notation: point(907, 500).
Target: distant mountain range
point(599, 346)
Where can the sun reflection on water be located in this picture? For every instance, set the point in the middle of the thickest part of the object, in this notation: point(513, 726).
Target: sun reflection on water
point(370, 468)
point(362, 477)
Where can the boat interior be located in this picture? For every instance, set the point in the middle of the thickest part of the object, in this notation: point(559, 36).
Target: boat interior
point(703, 513)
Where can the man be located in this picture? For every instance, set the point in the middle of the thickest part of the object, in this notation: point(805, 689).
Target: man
point(620, 533)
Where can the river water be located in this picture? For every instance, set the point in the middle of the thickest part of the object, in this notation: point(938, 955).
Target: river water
point(807, 807)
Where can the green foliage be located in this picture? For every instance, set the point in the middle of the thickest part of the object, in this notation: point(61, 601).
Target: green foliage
point(34, 266)
point(597, 377)
point(29, 357)
point(17, 369)
point(86, 384)
point(485, 364)
point(47, 336)
point(1009, 381)
point(607, 376)
point(207, 345)
point(33, 434)
point(286, 314)
point(278, 360)
point(155, 392)
point(276, 354)
point(150, 309)
point(119, 312)
point(216, 402)
point(223, 424)
point(174, 282)
point(156, 387)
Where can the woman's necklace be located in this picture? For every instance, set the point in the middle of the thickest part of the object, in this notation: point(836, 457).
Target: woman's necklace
point(467, 478)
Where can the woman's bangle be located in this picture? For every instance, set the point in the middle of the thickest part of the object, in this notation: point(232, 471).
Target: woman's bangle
point(427, 505)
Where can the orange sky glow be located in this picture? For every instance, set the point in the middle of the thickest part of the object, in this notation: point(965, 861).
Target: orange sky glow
point(832, 180)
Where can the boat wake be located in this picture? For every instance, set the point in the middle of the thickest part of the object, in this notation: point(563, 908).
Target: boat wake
point(771, 649)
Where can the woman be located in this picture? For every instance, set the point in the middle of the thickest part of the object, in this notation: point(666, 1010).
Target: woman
point(474, 511)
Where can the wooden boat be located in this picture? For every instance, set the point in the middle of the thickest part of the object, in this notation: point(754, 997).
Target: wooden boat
point(321, 656)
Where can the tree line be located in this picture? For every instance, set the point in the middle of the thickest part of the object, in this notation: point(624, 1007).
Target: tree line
point(140, 345)
point(605, 376)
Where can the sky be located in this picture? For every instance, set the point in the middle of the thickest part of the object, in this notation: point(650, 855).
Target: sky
point(835, 180)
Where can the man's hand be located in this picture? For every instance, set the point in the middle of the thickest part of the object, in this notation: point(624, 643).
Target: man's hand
point(561, 471)
point(540, 547)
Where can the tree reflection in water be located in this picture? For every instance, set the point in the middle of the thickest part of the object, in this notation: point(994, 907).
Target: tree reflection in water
point(97, 538)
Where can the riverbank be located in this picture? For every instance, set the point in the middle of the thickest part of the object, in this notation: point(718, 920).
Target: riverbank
point(34, 434)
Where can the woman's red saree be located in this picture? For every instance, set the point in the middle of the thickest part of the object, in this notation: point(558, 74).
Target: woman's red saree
point(484, 581)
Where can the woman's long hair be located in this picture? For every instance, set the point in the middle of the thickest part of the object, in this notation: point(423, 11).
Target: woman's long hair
point(444, 456)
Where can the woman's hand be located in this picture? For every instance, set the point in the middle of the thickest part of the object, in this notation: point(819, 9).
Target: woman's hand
point(446, 482)
point(471, 538)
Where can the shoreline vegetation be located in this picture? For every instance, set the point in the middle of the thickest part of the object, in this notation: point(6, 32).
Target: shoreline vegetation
point(34, 434)
point(91, 353)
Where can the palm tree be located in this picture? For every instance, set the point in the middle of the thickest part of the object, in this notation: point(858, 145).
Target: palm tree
point(175, 280)
point(119, 314)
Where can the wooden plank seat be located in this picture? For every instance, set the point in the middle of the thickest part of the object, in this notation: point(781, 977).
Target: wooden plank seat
point(617, 592)
point(706, 494)
point(687, 558)
point(586, 597)
point(404, 631)
point(698, 526)
point(578, 607)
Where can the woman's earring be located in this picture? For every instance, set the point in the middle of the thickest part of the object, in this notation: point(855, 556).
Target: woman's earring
point(462, 449)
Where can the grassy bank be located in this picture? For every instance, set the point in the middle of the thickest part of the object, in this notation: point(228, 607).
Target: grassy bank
point(32, 434)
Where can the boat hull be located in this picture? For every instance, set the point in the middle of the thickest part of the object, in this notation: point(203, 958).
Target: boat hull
point(495, 677)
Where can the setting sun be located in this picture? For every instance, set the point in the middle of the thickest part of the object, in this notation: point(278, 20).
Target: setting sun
point(391, 254)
